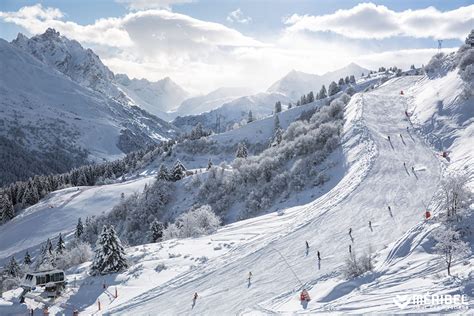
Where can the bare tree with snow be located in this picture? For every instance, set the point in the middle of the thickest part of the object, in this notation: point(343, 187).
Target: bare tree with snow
point(450, 246)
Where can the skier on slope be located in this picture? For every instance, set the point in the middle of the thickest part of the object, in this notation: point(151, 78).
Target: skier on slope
point(319, 256)
point(195, 296)
point(250, 276)
point(388, 137)
point(350, 249)
point(304, 296)
point(370, 225)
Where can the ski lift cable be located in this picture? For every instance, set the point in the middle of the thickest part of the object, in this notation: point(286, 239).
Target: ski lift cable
point(296, 276)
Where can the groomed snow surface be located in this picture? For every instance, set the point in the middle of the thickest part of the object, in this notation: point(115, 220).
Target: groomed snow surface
point(163, 277)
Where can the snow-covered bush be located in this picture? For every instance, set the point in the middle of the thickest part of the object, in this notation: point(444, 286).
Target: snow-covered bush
point(440, 64)
point(160, 267)
point(354, 267)
point(134, 213)
point(77, 253)
point(194, 223)
point(290, 165)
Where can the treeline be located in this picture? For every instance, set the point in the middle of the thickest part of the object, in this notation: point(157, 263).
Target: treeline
point(22, 194)
point(322, 94)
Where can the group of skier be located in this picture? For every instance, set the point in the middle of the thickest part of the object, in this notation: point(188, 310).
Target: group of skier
point(307, 251)
point(304, 295)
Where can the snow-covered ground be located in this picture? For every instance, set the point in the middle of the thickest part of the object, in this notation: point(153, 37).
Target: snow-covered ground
point(163, 277)
point(444, 108)
point(375, 178)
point(59, 212)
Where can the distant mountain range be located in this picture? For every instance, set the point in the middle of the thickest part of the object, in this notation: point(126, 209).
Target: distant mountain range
point(297, 83)
point(212, 100)
point(158, 97)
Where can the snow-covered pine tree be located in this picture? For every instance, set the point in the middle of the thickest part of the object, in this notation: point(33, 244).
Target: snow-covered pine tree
point(303, 100)
point(276, 123)
point(298, 103)
point(346, 80)
point(290, 105)
point(322, 92)
point(49, 246)
point(310, 97)
point(352, 79)
point(278, 107)
point(333, 89)
point(156, 231)
point(46, 258)
point(197, 132)
point(79, 229)
point(250, 117)
point(209, 164)
point(82, 179)
point(109, 253)
point(163, 173)
point(27, 259)
point(30, 196)
point(277, 137)
point(7, 212)
point(13, 269)
point(178, 171)
point(60, 246)
point(241, 151)
point(341, 82)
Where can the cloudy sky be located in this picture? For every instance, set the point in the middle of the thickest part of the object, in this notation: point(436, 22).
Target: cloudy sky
point(203, 45)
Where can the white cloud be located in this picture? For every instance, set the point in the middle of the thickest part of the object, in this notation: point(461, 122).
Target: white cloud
point(239, 17)
point(403, 58)
point(33, 12)
point(36, 19)
point(151, 4)
point(368, 20)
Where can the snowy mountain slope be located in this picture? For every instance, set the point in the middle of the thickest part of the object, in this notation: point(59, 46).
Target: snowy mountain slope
point(85, 67)
point(297, 83)
point(234, 112)
point(372, 177)
point(157, 98)
point(210, 101)
point(58, 213)
point(442, 105)
point(70, 58)
point(372, 164)
point(405, 268)
point(43, 111)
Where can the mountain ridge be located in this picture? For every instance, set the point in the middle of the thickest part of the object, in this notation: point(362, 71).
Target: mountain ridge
point(296, 83)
